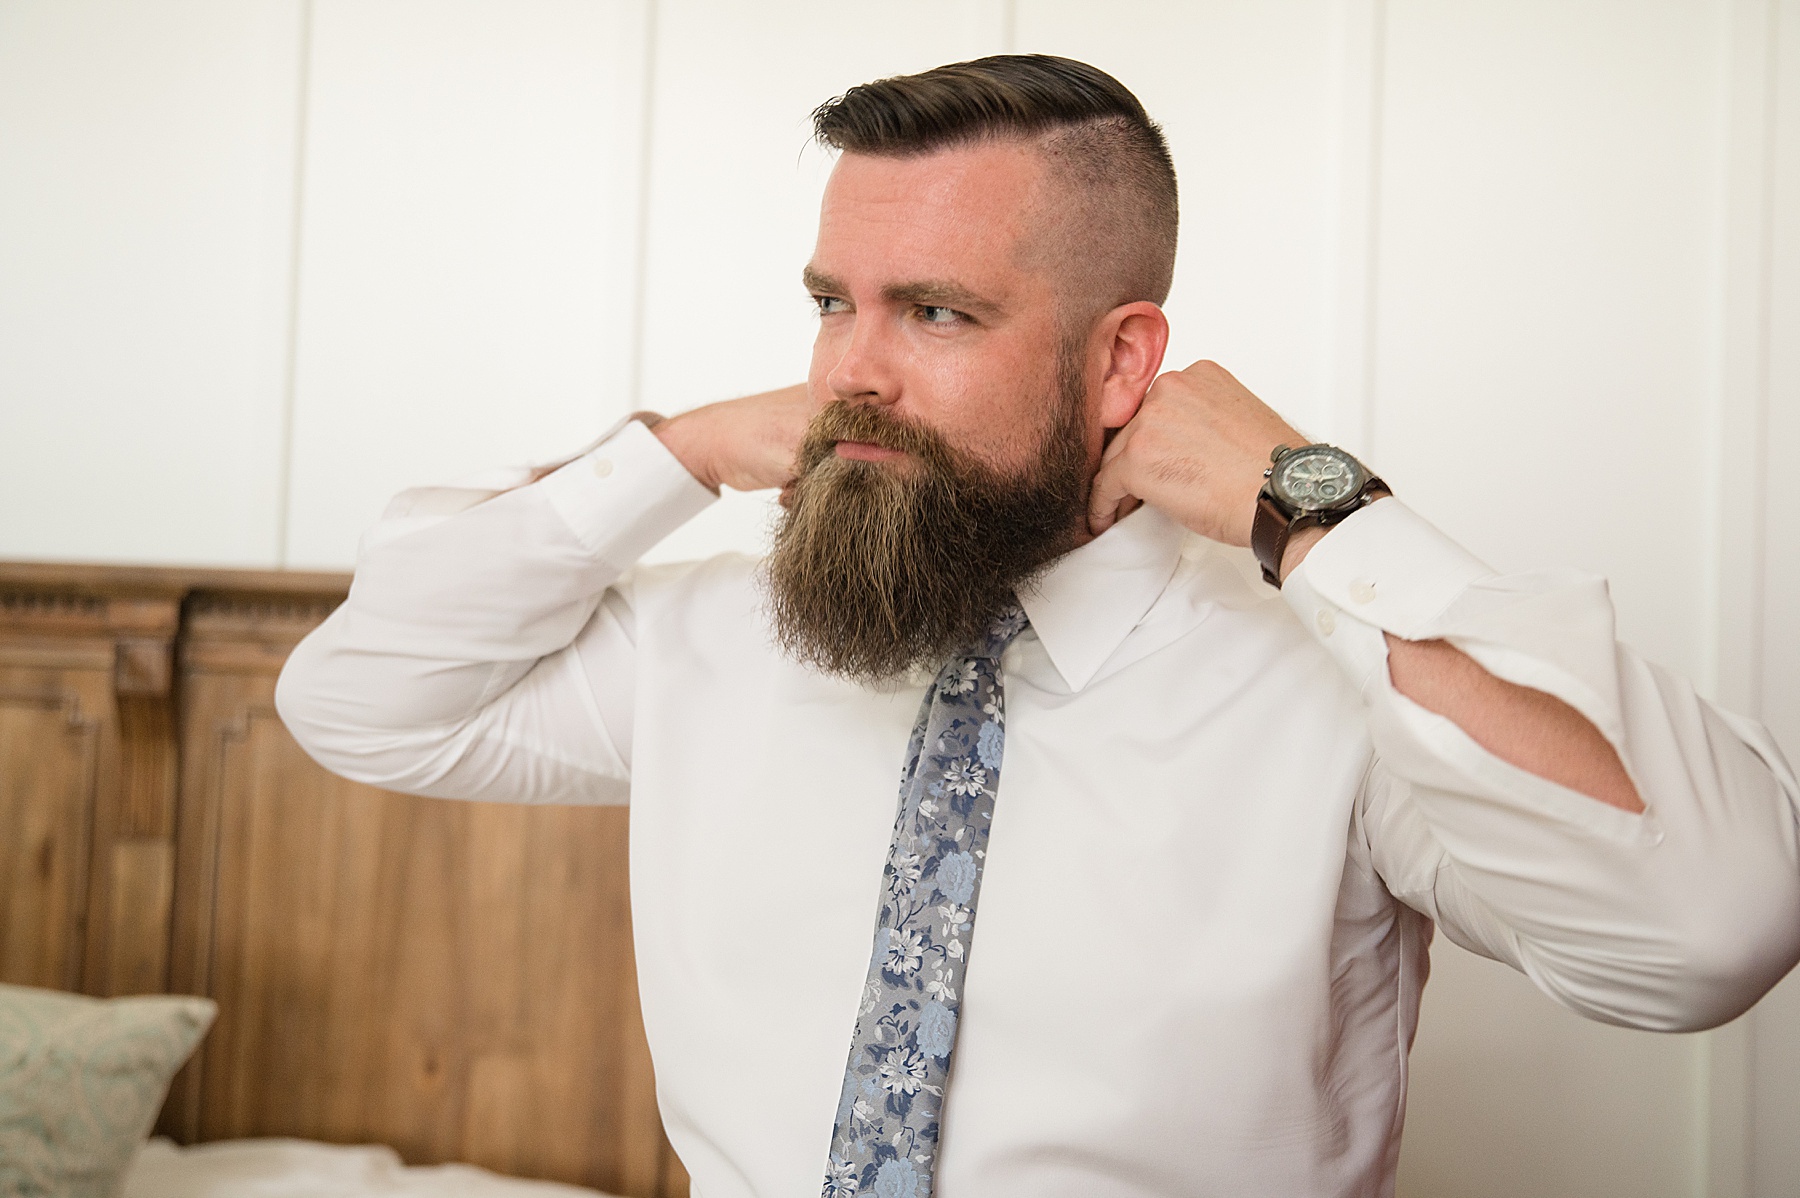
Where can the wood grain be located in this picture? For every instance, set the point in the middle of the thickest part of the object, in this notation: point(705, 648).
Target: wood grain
point(453, 979)
point(47, 768)
point(107, 579)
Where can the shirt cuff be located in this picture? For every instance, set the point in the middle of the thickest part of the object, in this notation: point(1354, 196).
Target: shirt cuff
point(625, 494)
point(1385, 569)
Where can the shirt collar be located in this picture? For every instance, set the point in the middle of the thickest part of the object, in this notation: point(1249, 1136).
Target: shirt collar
point(1090, 598)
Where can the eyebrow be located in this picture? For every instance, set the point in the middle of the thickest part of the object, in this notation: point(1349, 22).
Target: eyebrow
point(927, 292)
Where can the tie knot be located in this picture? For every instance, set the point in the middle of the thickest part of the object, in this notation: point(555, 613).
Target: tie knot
point(1000, 633)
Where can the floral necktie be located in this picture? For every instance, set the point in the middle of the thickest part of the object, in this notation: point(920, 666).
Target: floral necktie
point(886, 1137)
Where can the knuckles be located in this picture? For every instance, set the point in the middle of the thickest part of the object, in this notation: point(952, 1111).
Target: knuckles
point(1154, 440)
point(1186, 388)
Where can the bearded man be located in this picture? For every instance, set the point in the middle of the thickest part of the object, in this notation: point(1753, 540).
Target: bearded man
point(1180, 949)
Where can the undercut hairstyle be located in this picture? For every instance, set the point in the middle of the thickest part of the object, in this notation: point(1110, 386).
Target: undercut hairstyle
point(1113, 234)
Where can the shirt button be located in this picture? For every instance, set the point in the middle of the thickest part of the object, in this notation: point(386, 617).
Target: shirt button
point(603, 467)
point(1327, 622)
point(1362, 590)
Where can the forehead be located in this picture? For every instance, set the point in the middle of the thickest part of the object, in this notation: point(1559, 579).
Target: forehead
point(963, 212)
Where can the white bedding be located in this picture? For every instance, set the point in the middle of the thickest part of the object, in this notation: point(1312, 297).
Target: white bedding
point(305, 1169)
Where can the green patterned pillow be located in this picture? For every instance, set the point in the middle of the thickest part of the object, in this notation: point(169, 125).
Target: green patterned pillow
point(81, 1080)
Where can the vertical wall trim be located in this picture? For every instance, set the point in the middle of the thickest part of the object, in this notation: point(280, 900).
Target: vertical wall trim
point(640, 267)
point(1348, 389)
point(1732, 633)
point(1009, 26)
point(1725, 1119)
point(284, 482)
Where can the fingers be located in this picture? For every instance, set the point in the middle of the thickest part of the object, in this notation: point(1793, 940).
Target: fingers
point(1110, 498)
point(763, 437)
point(746, 444)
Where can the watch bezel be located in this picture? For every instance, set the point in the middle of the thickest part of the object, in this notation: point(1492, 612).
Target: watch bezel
point(1278, 491)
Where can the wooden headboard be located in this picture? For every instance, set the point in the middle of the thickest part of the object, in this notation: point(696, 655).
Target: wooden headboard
point(453, 979)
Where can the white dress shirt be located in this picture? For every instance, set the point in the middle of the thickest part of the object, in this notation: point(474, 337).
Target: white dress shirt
point(1221, 841)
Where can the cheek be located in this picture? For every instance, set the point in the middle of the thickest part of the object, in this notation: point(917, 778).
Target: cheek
point(996, 411)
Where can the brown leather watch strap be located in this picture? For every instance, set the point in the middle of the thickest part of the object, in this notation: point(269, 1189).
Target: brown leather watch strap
point(1273, 527)
point(1269, 537)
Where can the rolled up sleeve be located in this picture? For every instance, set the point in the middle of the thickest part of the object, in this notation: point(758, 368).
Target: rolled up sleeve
point(1676, 918)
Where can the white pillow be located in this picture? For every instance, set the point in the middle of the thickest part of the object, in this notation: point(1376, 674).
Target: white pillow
point(80, 1081)
point(304, 1169)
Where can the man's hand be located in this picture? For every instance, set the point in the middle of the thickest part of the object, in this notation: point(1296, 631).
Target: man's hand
point(1196, 449)
point(746, 444)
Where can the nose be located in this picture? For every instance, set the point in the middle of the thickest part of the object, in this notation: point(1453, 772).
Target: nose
point(866, 371)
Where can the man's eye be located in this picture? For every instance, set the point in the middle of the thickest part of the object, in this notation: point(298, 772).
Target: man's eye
point(830, 304)
point(936, 314)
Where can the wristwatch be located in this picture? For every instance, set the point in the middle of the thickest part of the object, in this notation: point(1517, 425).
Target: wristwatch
point(1314, 485)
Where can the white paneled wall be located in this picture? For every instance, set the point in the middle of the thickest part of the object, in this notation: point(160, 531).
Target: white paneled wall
point(1548, 244)
point(264, 262)
point(468, 248)
point(1595, 130)
point(1770, 685)
point(147, 160)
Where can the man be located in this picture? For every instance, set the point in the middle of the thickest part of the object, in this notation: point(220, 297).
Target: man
point(1205, 889)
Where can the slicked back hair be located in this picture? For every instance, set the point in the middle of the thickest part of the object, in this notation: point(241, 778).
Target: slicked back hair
point(1116, 235)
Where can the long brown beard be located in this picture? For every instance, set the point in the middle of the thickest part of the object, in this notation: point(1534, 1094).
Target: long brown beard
point(878, 569)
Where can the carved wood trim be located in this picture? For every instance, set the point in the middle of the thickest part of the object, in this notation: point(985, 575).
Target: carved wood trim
point(52, 699)
point(195, 940)
point(103, 580)
point(157, 659)
point(120, 629)
point(21, 605)
point(87, 731)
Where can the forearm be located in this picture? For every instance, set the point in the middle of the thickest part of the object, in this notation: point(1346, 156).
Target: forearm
point(1528, 728)
point(1535, 731)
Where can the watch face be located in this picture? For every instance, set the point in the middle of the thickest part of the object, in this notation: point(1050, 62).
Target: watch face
point(1317, 478)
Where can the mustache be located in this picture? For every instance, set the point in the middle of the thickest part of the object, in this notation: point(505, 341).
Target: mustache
point(844, 421)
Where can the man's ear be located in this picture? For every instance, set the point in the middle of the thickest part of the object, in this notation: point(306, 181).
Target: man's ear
point(1133, 338)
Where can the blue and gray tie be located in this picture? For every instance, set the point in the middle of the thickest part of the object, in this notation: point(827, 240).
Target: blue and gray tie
point(886, 1138)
